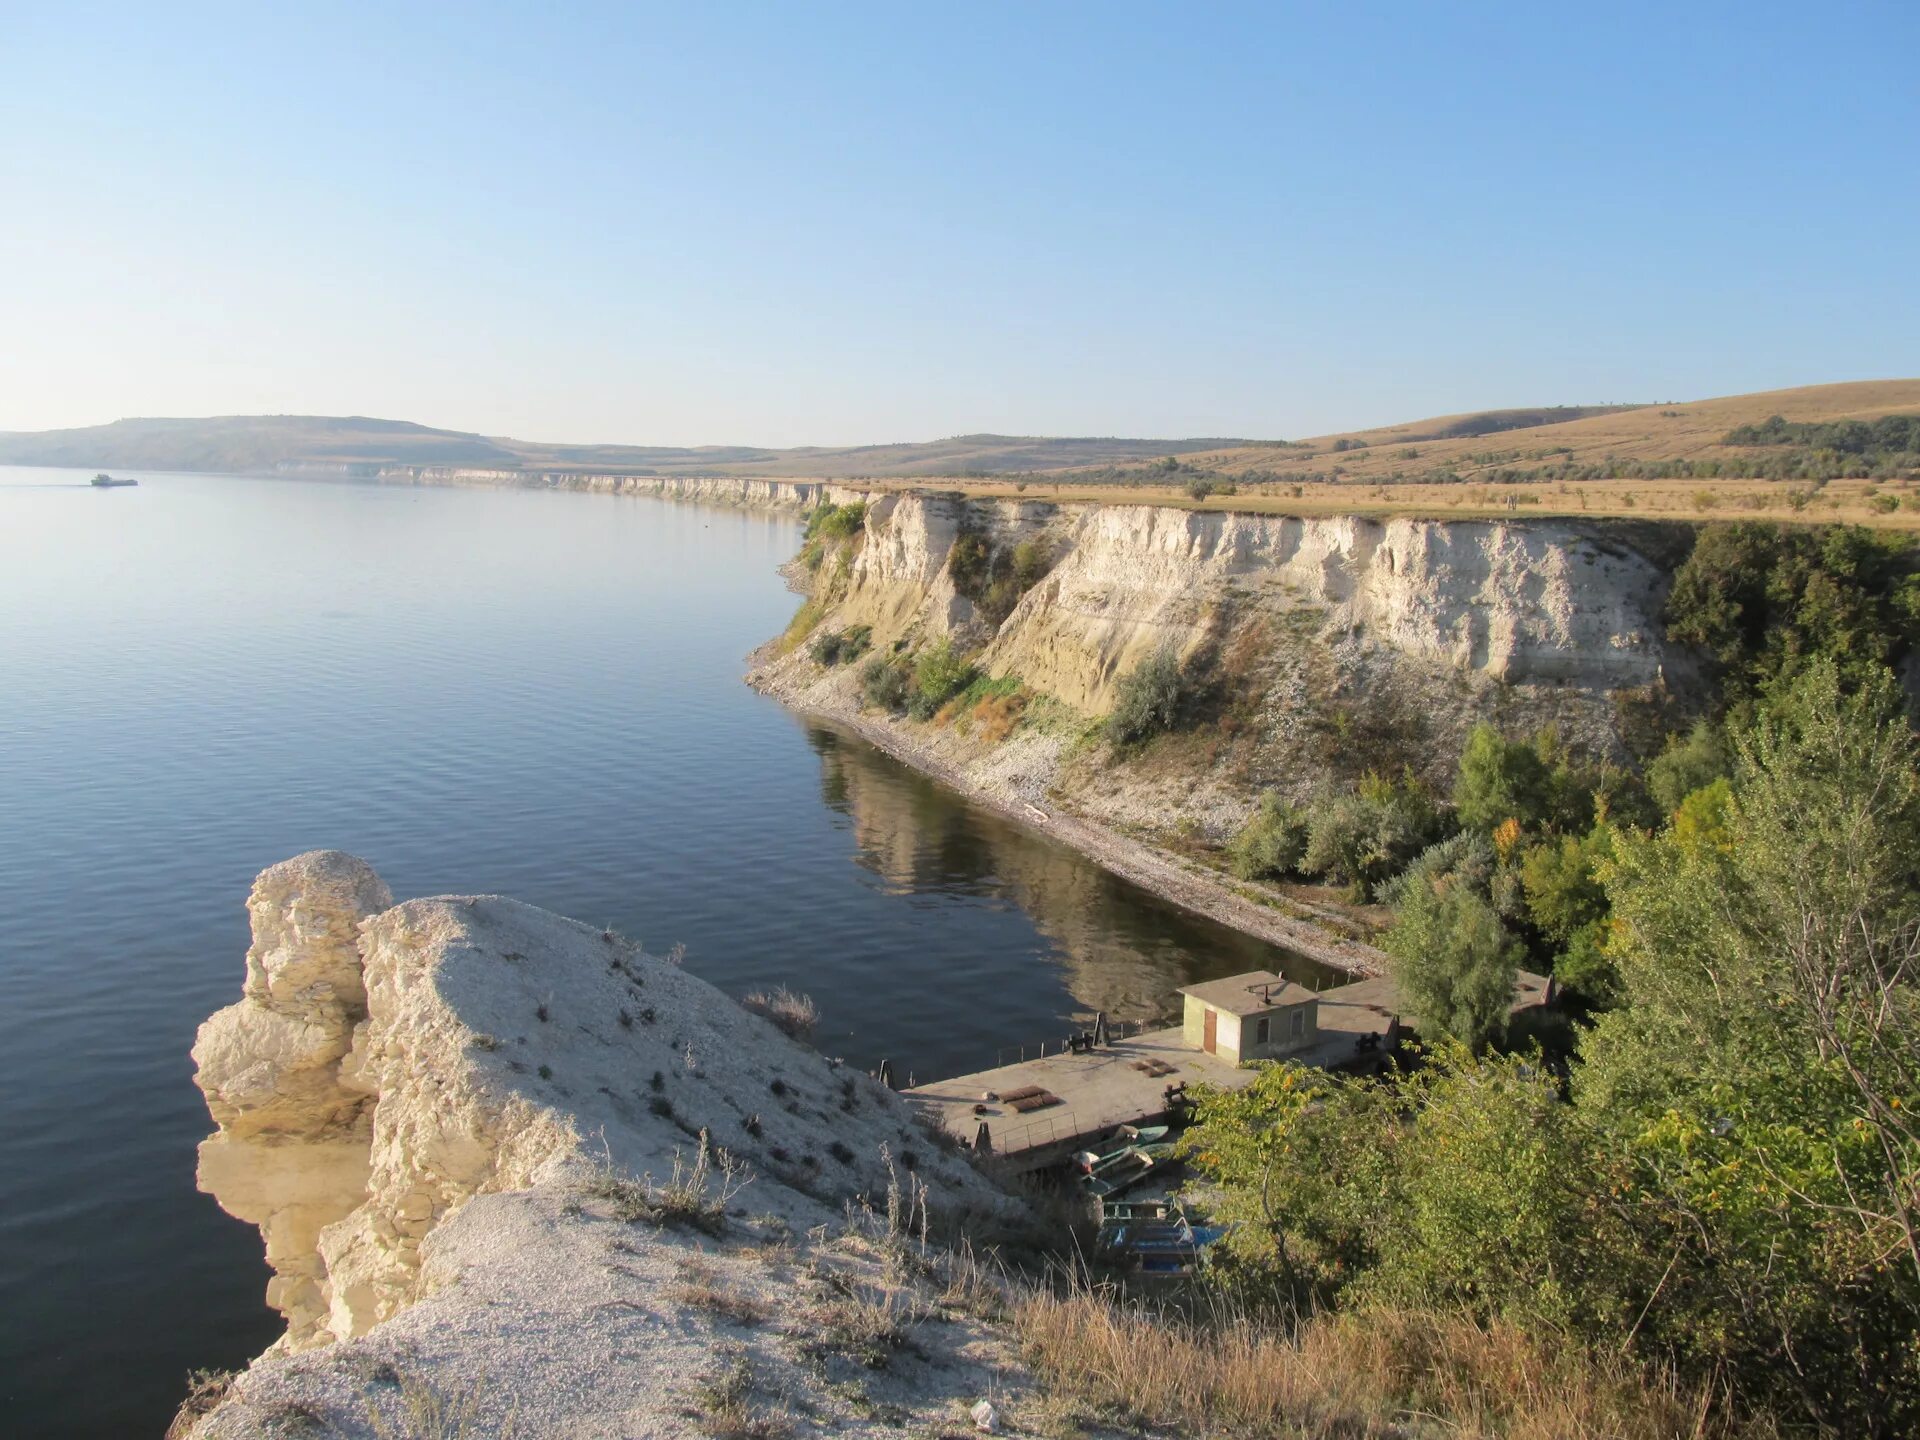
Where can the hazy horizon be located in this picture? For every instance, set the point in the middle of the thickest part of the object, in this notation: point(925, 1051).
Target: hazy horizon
point(768, 226)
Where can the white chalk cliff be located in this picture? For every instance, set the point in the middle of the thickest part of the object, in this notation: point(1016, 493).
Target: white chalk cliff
point(1526, 602)
point(432, 1111)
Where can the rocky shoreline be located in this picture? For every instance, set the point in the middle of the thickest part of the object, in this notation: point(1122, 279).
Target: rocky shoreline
point(1150, 868)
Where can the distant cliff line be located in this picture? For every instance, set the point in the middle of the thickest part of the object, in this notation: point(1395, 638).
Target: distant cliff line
point(738, 492)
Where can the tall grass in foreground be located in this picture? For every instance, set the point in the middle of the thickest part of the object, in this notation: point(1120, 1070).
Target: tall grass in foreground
point(1378, 1372)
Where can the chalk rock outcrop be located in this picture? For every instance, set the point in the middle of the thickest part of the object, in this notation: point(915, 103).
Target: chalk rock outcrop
point(390, 1067)
point(291, 1154)
point(1526, 602)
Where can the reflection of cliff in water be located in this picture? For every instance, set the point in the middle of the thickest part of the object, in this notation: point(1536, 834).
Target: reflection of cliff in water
point(1124, 950)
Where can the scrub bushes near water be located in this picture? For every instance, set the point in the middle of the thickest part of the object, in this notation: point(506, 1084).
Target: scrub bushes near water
point(918, 685)
point(838, 647)
point(1358, 838)
point(939, 674)
point(885, 682)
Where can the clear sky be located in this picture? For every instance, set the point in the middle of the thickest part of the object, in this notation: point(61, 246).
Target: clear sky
point(836, 223)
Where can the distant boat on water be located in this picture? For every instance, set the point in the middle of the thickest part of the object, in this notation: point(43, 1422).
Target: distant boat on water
point(104, 481)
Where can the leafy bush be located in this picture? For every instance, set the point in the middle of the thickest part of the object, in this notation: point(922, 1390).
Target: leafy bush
point(1465, 858)
point(1534, 782)
point(1148, 700)
point(830, 528)
point(1687, 764)
point(938, 675)
point(885, 683)
point(1271, 843)
point(842, 646)
point(992, 579)
point(1363, 837)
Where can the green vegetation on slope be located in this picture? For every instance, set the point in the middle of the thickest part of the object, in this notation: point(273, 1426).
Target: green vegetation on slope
point(1722, 1175)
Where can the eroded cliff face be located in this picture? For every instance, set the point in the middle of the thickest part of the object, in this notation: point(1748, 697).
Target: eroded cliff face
point(1524, 603)
point(292, 1152)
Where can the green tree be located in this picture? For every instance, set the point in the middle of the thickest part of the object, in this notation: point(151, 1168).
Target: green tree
point(1761, 1077)
point(1500, 779)
point(1454, 963)
point(1766, 600)
point(1688, 763)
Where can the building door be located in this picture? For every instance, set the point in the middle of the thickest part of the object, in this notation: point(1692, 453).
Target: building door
point(1211, 1036)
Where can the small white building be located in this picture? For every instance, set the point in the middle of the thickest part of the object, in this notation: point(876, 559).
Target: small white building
point(1258, 1016)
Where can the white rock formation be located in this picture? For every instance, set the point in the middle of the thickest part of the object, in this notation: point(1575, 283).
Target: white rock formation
point(1528, 602)
point(291, 1154)
point(425, 1108)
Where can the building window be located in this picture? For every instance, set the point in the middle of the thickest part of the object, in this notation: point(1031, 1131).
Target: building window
point(1297, 1022)
point(1263, 1031)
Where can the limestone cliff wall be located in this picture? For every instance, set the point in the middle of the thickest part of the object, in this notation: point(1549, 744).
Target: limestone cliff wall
point(1536, 602)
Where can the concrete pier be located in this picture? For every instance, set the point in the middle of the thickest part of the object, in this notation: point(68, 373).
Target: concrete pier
point(1126, 1082)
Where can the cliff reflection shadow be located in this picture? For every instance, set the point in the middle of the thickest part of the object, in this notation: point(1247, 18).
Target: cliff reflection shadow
point(1120, 948)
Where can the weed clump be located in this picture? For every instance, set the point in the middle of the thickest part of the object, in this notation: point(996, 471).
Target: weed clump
point(206, 1389)
point(795, 1015)
point(694, 1196)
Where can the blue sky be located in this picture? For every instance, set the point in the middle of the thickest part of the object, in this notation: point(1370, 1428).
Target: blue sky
point(838, 223)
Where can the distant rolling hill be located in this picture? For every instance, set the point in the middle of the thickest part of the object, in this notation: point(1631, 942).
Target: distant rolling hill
point(1464, 445)
point(1445, 448)
point(265, 443)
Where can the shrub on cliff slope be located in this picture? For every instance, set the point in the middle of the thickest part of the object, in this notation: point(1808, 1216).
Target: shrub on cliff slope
point(885, 682)
point(992, 578)
point(831, 528)
point(939, 674)
point(837, 647)
point(1148, 700)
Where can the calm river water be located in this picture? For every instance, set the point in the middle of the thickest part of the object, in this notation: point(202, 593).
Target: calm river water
point(477, 690)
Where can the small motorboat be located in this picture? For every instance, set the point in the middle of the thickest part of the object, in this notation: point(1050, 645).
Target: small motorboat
point(1160, 1247)
point(1117, 1144)
point(1127, 1170)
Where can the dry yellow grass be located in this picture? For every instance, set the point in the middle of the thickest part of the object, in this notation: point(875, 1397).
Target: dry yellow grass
point(1362, 1374)
point(1690, 430)
point(1680, 431)
point(1849, 501)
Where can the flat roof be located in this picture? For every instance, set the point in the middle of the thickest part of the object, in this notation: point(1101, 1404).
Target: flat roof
point(1249, 994)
